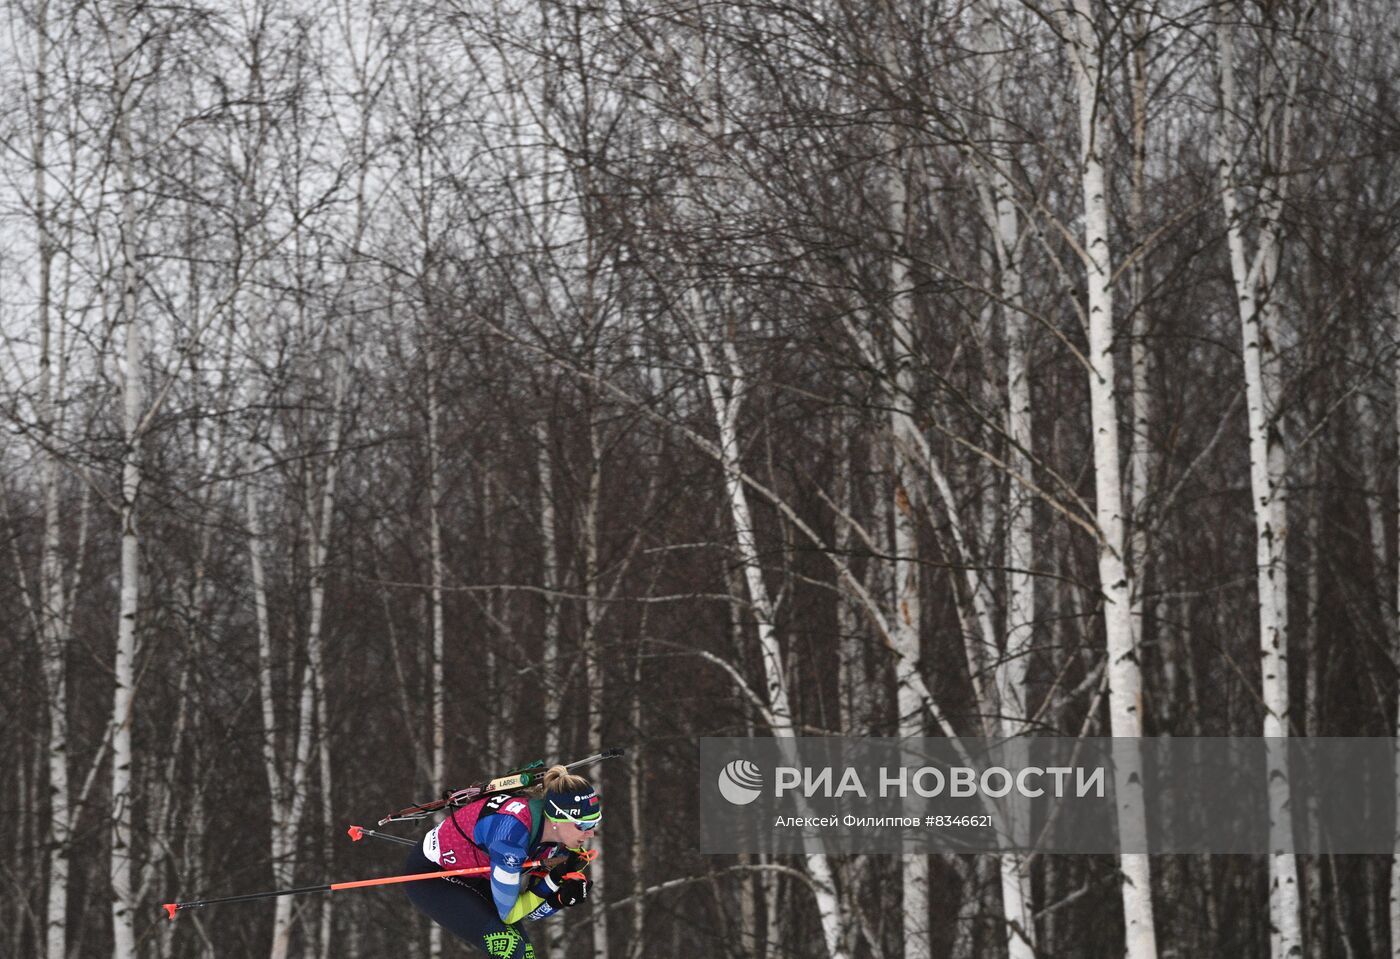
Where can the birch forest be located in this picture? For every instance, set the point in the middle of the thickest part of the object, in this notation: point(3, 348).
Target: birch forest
point(397, 392)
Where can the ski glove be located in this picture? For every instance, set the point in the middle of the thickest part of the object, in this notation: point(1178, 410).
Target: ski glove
point(574, 863)
point(573, 889)
point(566, 884)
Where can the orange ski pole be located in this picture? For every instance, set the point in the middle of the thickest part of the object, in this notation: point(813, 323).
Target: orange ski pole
point(173, 907)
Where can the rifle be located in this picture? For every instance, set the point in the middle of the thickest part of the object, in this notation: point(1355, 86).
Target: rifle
point(521, 777)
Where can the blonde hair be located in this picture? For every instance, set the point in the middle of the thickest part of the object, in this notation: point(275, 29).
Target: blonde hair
point(557, 779)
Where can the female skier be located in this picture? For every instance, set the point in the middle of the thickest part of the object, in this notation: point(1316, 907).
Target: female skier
point(503, 831)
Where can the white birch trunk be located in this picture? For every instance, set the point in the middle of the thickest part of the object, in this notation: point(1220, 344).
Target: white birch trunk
point(1124, 668)
point(1257, 301)
point(289, 788)
point(321, 524)
point(759, 886)
point(210, 455)
point(906, 439)
point(282, 834)
point(853, 682)
point(1140, 449)
point(360, 44)
point(437, 717)
point(549, 577)
point(914, 867)
point(327, 779)
point(289, 808)
point(52, 625)
point(726, 401)
point(725, 388)
point(122, 870)
point(54, 637)
point(1013, 667)
point(859, 686)
point(726, 398)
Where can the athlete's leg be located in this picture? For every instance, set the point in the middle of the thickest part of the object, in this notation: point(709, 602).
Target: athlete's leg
point(464, 907)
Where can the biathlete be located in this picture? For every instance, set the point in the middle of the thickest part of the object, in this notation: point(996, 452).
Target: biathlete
point(503, 831)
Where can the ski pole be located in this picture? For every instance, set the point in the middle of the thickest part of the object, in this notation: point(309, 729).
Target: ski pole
point(357, 833)
point(173, 907)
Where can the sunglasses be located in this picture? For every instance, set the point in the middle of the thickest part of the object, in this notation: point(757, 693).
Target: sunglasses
point(559, 815)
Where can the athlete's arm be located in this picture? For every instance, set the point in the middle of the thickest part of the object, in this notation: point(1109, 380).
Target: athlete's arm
point(505, 840)
point(547, 894)
point(529, 906)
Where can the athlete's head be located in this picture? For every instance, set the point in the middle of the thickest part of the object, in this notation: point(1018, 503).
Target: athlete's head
point(572, 807)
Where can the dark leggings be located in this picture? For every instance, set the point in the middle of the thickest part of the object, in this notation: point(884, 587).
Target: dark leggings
point(464, 907)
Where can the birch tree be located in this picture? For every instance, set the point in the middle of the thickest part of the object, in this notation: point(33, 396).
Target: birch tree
point(724, 386)
point(1081, 31)
point(1258, 295)
point(123, 867)
point(743, 342)
point(905, 440)
point(289, 776)
point(1013, 664)
point(56, 594)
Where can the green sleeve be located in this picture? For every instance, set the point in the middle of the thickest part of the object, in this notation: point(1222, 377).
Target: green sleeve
point(526, 904)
